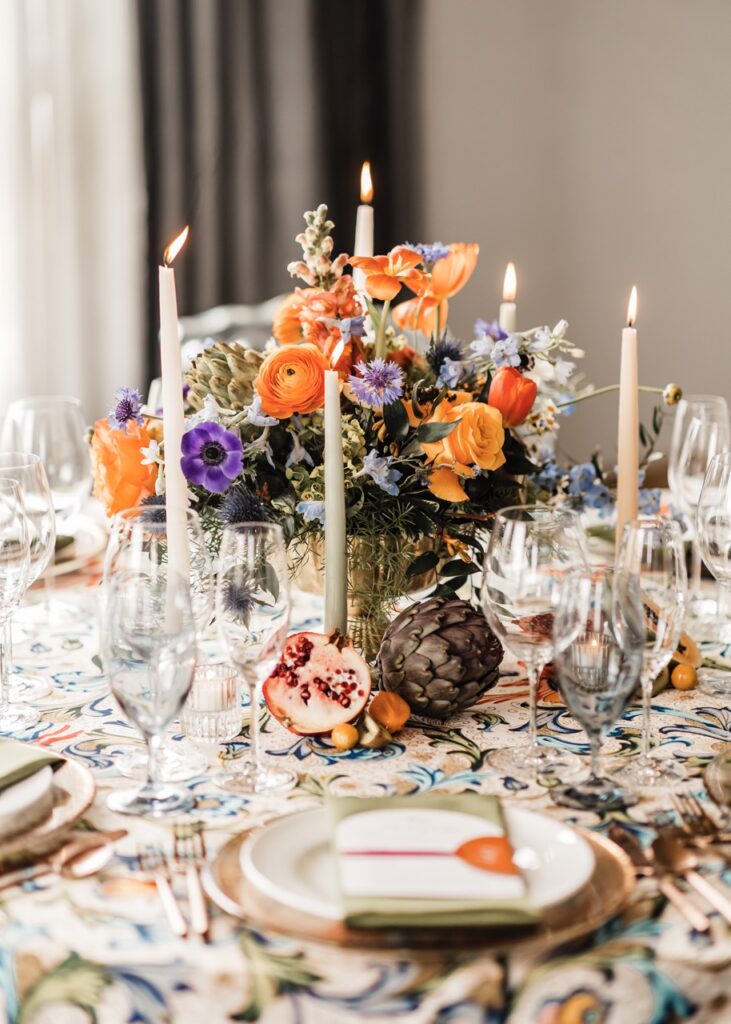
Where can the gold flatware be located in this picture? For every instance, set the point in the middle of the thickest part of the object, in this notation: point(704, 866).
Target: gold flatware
point(696, 822)
point(76, 858)
point(679, 860)
point(152, 860)
point(189, 852)
point(644, 864)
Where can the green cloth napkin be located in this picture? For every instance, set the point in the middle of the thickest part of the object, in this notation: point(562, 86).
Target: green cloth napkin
point(19, 760)
point(374, 911)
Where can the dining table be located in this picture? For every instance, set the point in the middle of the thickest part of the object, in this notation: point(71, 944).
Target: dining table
point(99, 949)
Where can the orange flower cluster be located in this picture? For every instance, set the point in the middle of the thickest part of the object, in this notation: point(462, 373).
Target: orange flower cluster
point(292, 379)
point(477, 440)
point(513, 394)
point(308, 314)
point(120, 479)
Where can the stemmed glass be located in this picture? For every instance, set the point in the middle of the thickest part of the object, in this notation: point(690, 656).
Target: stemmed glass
point(252, 613)
point(700, 431)
point(599, 634)
point(14, 569)
point(53, 427)
point(652, 550)
point(531, 547)
point(26, 469)
point(149, 648)
point(138, 538)
point(714, 536)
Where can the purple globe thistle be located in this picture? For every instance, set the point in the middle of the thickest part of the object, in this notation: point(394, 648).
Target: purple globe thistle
point(241, 505)
point(127, 409)
point(379, 384)
point(445, 348)
point(212, 456)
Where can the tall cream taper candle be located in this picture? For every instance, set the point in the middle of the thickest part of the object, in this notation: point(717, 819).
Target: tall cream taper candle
point(336, 565)
point(363, 245)
point(628, 431)
point(507, 317)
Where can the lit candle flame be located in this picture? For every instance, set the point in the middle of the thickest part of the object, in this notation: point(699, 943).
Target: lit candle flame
point(366, 183)
point(632, 307)
point(337, 353)
point(510, 284)
point(175, 246)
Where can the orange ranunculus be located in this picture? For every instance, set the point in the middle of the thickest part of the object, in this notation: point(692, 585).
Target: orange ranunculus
point(420, 314)
point(513, 394)
point(477, 440)
point(384, 275)
point(292, 380)
point(120, 479)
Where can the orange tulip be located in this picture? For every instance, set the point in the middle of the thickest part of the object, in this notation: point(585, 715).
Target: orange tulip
point(120, 479)
point(513, 394)
point(420, 314)
point(291, 380)
point(384, 275)
point(451, 274)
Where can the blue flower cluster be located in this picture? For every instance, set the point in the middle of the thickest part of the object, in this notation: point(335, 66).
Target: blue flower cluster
point(493, 343)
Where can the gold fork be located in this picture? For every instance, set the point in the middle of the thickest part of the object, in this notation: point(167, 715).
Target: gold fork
point(152, 859)
point(189, 851)
point(696, 822)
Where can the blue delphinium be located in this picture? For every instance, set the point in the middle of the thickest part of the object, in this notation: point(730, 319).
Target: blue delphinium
point(379, 383)
point(446, 359)
point(378, 468)
point(127, 410)
point(492, 342)
point(313, 511)
point(450, 373)
point(549, 476)
point(351, 327)
point(649, 499)
point(581, 478)
point(485, 330)
point(430, 252)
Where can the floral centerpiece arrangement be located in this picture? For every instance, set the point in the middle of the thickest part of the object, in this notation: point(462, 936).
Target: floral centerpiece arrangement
point(438, 433)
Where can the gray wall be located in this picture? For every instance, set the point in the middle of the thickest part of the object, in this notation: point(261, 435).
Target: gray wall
point(589, 142)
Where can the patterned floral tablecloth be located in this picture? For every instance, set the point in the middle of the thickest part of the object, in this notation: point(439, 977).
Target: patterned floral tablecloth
point(100, 950)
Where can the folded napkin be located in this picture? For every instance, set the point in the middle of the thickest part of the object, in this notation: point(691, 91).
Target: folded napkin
point(430, 860)
point(19, 760)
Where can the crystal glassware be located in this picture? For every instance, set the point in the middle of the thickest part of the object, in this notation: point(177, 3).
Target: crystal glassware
point(252, 614)
point(149, 650)
point(531, 547)
point(137, 540)
point(27, 470)
point(14, 575)
point(599, 636)
point(652, 549)
point(700, 430)
point(212, 711)
point(713, 524)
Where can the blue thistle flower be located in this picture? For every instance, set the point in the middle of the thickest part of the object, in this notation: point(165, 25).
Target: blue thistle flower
point(239, 598)
point(241, 505)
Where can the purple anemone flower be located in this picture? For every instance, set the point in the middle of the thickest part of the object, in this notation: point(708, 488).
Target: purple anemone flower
point(212, 456)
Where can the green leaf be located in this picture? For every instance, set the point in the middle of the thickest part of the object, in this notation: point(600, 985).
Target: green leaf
point(519, 465)
point(396, 420)
point(458, 568)
point(657, 418)
point(644, 439)
point(423, 563)
point(429, 432)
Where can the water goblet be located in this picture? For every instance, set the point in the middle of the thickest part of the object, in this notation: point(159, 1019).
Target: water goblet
point(149, 649)
point(530, 548)
point(599, 635)
point(14, 572)
point(252, 613)
point(652, 550)
point(714, 535)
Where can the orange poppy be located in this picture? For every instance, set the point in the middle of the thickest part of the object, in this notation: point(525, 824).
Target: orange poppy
point(384, 275)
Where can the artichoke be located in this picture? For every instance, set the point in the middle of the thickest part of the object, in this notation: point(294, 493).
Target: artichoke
point(226, 370)
point(440, 656)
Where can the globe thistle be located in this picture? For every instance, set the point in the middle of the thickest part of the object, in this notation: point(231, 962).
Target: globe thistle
point(241, 505)
point(445, 348)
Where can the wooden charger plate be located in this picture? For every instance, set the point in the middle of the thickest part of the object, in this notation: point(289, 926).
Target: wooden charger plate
point(73, 793)
point(602, 898)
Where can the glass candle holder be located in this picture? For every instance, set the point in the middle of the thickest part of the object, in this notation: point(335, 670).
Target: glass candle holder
point(212, 712)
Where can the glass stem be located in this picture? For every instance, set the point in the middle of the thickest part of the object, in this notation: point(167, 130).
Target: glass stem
point(695, 569)
point(153, 760)
point(646, 712)
point(3, 672)
point(8, 648)
point(724, 601)
point(253, 722)
point(534, 674)
point(594, 755)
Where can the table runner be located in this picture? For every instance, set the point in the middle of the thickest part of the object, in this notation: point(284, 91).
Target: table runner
point(99, 950)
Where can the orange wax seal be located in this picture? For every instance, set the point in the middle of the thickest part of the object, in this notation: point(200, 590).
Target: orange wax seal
point(489, 853)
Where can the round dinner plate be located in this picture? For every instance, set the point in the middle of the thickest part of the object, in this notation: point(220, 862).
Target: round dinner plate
point(290, 860)
point(90, 540)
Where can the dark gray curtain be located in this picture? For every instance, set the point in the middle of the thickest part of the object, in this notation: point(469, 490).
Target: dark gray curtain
point(255, 110)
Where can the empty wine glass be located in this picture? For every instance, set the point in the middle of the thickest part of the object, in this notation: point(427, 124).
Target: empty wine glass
point(530, 548)
point(599, 637)
point(252, 613)
point(14, 571)
point(149, 649)
point(138, 539)
point(714, 535)
point(27, 470)
point(700, 431)
point(652, 550)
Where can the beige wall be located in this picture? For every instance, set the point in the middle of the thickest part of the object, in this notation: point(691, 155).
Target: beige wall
point(590, 142)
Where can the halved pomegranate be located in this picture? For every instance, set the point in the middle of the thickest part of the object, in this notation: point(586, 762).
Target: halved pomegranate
point(320, 682)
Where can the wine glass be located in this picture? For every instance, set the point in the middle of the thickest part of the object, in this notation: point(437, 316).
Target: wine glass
point(53, 427)
point(700, 431)
point(599, 635)
point(652, 550)
point(252, 613)
point(149, 648)
point(714, 535)
point(530, 548)
point(27, 470)
point(138, 539)
point(14, 572)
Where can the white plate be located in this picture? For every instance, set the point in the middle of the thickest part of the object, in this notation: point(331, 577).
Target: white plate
point(291, 860)
point(26, 803)
point(90, 540)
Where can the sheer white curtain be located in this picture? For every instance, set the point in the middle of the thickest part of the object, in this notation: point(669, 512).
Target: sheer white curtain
point(72, 200)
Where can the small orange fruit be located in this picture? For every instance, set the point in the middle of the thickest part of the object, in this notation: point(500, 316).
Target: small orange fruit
point(344, 736)
point(489, 853)
point(683, 677)
point(390, 710)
